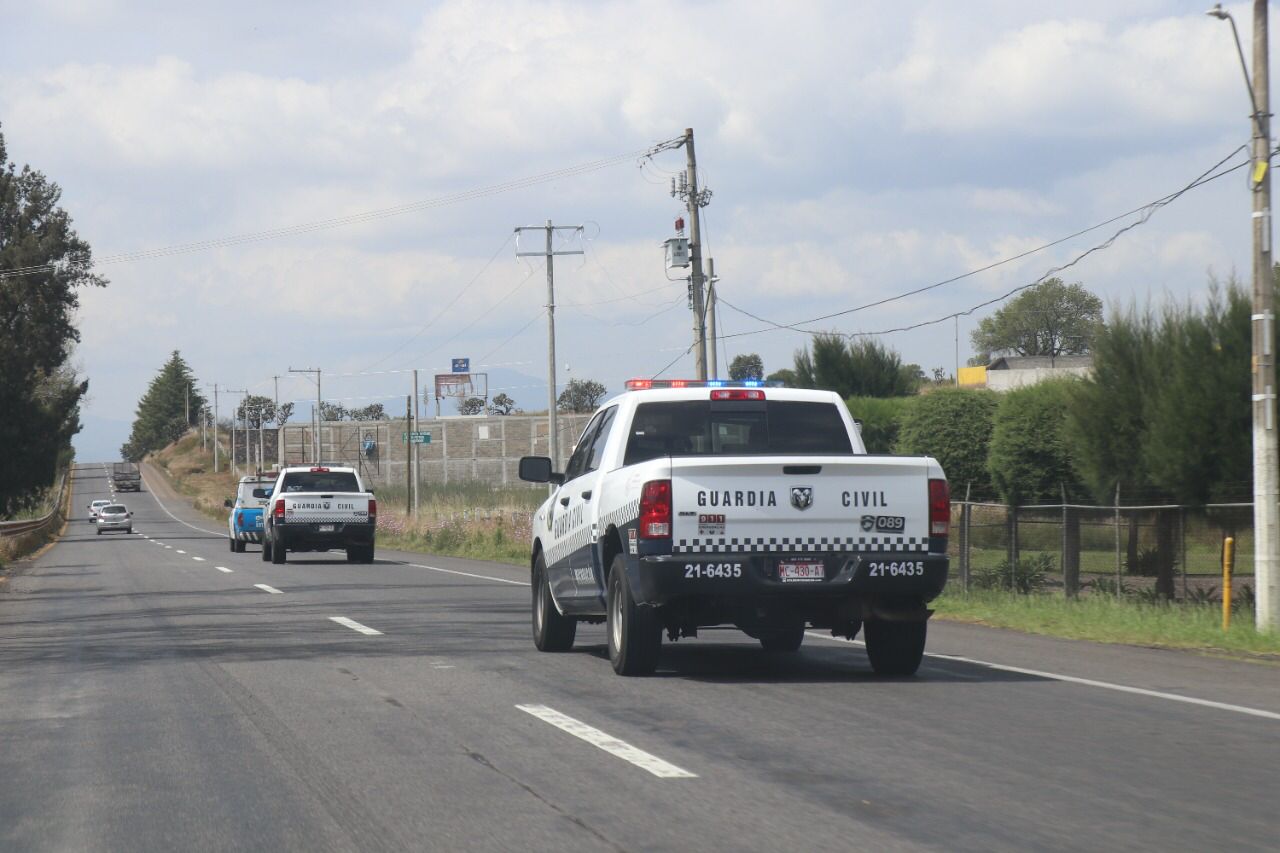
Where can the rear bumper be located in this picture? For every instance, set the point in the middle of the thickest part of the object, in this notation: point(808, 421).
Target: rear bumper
point(312, 537)
point(115, 525)
point(871, 576)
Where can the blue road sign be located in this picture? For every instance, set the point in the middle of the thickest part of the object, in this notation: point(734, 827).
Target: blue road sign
point(462, 365)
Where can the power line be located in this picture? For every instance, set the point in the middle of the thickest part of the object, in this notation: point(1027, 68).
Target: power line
point(1147, 211)
point(352, 219)
point(518, 333)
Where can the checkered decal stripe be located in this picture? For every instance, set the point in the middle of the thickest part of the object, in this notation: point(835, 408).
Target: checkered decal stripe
point(622, 516)
point(581, 538)
point(346, 518)
point(784, 544)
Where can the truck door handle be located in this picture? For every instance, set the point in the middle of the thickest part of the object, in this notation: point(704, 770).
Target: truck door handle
point(586, 496)
point(564, 501)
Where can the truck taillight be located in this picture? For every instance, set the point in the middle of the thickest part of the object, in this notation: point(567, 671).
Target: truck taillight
point(239, 519)
point(279, 509)
point(939, 508)
point(373, 510)
point(655, 510)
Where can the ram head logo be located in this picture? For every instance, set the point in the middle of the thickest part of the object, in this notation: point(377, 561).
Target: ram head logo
point(802, 497)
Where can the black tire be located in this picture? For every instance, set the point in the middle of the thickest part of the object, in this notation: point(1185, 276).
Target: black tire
point(241, 546)
point(266, 550)
point(895, 648)
point(98, 531)
point(231, 544)
point(635, 634)
point(551, 631)
point(784, 639)
point(367, 554)
point(128, 531)
point(278, 554)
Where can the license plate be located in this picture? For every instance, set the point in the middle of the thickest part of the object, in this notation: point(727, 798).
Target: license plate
point(792, 571)
point(326, 528)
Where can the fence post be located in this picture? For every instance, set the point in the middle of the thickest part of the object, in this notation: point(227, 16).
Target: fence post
point(1228, 562)
point(1011, 514)
point(1070, 548)
point(1118, 564)
point(1182, 535)
point(966, 512)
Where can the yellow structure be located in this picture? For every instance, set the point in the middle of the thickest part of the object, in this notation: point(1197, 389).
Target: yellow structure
point(973, 377)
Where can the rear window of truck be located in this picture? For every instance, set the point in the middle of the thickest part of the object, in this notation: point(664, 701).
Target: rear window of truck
point(320, 481)
point(701, 428)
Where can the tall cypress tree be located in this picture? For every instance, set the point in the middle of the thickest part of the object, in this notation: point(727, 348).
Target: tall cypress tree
point(163, 414)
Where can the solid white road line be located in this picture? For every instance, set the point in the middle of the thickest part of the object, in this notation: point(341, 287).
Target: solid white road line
point(1087, 682)
point(270, 589)
point(355, 626)
point(198, 559)
point(223, 569)
point(613, 746)
point(467, 574)
point(160, 504)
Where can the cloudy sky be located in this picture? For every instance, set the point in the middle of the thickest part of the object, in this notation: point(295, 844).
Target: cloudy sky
point(855, 151)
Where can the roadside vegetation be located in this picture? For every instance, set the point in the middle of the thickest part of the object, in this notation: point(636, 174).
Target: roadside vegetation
point(189, 469)
point(1101, 617)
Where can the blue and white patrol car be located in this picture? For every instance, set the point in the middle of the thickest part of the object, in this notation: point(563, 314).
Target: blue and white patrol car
point(689, 504)
point(244, 523)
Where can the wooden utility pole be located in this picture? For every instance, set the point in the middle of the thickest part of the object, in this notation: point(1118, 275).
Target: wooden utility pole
point(553, 434)
point(414, 444)
point(714, 371)
point(696, 201)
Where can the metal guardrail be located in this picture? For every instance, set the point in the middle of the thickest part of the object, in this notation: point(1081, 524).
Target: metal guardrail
point(29, 525)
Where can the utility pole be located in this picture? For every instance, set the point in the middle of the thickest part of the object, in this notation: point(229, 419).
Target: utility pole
point(315, 436)
point(1266, 452)
point(553, 435)
point(711, 318)
point(186, 404)
point(408, 469)
point(244, 416)
point(695, 201)
point(215, 427)
point(1266, 477)
point(414, 444)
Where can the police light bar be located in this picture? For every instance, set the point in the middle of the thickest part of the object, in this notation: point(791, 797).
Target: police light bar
point(648, 384)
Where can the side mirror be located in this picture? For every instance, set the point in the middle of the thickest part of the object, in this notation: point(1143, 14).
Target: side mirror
point(131, 514)
point(537, 469)
point(262, 493)
point(228, 503)
point(370, 491)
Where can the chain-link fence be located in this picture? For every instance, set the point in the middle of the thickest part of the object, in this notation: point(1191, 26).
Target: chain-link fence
point(1169, 551)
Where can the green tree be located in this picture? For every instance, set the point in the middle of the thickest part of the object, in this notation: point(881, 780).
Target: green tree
point(786, 376)
point(170, 407)
point(283, 412)
point(881, 419)
point(580, 395)
point(332, 411)
point(953, 425)
point(371, 412)
point(1051, 319)
point(259, 410)
point(1029, 458)
point(746, 366)
point(39, 393)
point(502, 405)
point(859, 368)
point(471, 406)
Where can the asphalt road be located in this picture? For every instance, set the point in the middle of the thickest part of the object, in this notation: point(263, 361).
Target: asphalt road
point(152, 700)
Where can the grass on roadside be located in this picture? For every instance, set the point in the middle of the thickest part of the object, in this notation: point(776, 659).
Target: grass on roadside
point(1104, 618)
point(190, 472)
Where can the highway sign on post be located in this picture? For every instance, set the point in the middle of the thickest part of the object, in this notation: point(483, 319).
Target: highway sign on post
point(462, 365)
point(415, 437)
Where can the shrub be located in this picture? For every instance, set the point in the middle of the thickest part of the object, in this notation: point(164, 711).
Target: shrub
point(1031, 575)
point(1028, 457)
point(953, 425)
point(881, 419)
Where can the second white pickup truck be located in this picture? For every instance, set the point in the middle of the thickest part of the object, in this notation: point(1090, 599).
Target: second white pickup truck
point(689, 505)
point(319, 508)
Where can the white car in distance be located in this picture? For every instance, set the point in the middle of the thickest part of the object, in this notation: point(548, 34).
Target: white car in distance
point(95, 507)
point(115, 517)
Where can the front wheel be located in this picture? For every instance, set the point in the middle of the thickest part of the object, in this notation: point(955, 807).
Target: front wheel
point(635, 634)
point(895, 648)
point(551, 631)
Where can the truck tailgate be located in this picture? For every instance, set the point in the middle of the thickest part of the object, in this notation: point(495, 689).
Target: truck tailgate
point(341, 508)
point(800, 504)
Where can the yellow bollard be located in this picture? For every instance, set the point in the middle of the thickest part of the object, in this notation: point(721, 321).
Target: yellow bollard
point(1228, 562)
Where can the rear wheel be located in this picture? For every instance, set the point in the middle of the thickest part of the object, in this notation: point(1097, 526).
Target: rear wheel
point(266, 549)
point(277, 552)
point(787, 637)
point(895, 648)
point(551, 631)
point(240, 546)
point(635, 634)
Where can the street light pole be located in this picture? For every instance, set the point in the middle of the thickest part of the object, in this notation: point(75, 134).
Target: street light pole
point(1266, 448)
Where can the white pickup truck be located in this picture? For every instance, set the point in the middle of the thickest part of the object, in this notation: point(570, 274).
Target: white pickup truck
point(692, 504)
point(318, 508)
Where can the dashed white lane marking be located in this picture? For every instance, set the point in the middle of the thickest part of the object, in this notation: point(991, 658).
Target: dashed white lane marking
point(1087, 682)
point(223, 569)
point(355, 626)
point(180, 551)
point(170, 547)
point(198, 559)
point(270, 589)
point(609, 743)
point(467, 574)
